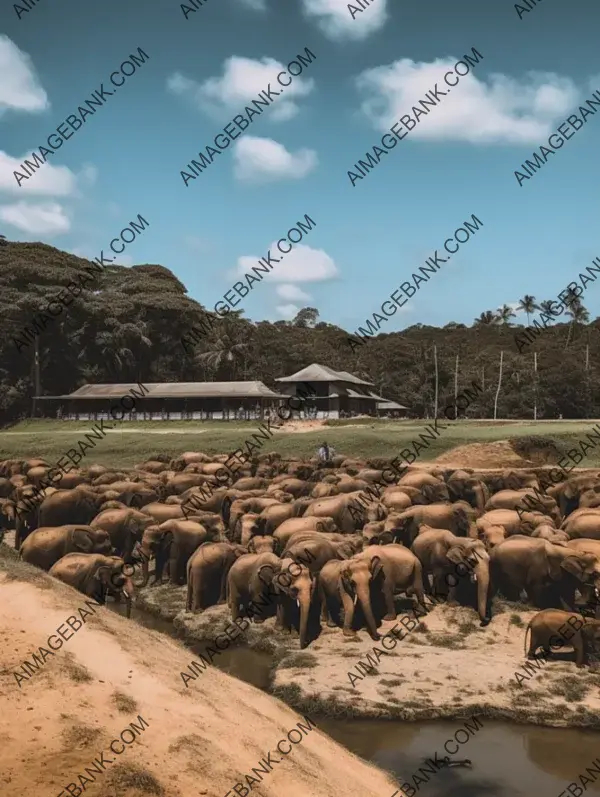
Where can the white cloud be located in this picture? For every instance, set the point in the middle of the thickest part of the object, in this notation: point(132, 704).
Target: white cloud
point(48, 218)
point(19, 87)
point(288, 311)
point(335, 20)
point(292, 293)
point(124, 260)
point(255, 5)
point(242, 81)
point(265, 160)
point(302, 264)
point(497, 110)
point(47, 180)
point(87, 176)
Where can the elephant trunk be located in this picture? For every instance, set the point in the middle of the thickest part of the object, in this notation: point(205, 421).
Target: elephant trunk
point(304, 603)
point(146, 555)
point(128, 592)
point(364, 596)
point(482, 571)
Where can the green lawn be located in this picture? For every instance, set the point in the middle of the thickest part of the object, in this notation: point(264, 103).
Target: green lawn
point(131, 444)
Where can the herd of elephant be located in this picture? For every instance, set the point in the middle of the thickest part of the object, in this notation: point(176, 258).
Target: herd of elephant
point(348, 551)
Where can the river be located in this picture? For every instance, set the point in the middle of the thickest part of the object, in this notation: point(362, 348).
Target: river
point(508, 760)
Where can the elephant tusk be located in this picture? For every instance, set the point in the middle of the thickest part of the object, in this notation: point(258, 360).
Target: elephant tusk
point(473, 578)
point(126, 594)
point(297, 603)
point(355, 600)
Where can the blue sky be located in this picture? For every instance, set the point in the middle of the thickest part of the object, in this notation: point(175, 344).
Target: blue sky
point(293, 159)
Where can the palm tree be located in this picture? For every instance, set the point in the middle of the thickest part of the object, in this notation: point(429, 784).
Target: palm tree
point(528, 305)
point(229, 347)
point(546, 307)
point(578, 315)
point(505, 313)
point(486, 319)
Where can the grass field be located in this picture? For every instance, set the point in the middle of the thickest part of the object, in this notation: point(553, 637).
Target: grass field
point(132, 443)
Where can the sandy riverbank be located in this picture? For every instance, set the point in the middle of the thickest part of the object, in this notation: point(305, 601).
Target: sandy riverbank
point(449, 667)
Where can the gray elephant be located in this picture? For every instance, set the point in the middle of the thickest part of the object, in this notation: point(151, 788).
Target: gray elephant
point(297, 598)
point(350, 511)
point(442, 554)
point(457, 518)
point(95, 575)
point(207, 572)
point(377, 573)
point(125, 528)
point(45, 546)
point(248, 582)
point(553, 628)
point(548, 573)
point(70, 506)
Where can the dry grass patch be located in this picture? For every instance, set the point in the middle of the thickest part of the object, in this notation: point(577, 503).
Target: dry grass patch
point(79, 736)
point(129, 776)
point(124, 702)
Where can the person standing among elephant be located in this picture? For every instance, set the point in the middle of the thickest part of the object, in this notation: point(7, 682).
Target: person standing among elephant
point(325, 453)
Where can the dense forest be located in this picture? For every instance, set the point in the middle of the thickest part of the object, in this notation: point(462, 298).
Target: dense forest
point(128, 322)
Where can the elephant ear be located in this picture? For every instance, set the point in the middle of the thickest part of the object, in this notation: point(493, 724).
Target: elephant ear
point(320, 526)
point(82, 539)
point(9, 509)
point(226, 509)
point(577, 566)
point(251, 546)
point(376, 567)
point(462, 522)
point(346, 580)
point(266, 574)
point(455, 554)
point(381, 512)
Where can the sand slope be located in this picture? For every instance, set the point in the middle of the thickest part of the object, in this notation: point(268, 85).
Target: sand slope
point(200, 740)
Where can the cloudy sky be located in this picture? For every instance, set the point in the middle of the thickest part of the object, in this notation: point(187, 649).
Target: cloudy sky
point(294, 158)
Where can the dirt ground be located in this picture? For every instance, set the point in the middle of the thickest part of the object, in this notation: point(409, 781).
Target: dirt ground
point(498, 454)
point(447, 668)
point(200, 740)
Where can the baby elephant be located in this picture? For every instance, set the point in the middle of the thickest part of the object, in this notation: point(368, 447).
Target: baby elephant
point(553, 629)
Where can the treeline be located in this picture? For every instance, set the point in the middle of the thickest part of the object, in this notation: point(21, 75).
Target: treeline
point(128, 326)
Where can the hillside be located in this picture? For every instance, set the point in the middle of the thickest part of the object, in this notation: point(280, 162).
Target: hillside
point(128, 323)
point(112, 673)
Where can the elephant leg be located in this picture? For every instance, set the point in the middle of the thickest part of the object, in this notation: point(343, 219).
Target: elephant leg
point(580, 651)
point(280, 616)
point(223, 586)
point(348, 605)
point(234, 602)
point(174, 565)
point(390, 606)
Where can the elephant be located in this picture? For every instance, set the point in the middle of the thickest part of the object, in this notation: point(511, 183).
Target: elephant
point(314, 550)
point(548, 573)
point(250, 483)
point(583, 523)
point(232, 509)
point(330, 595)
point(261, 544)
point(509, 480)
point(70, 480)
point(283, 533)
point(173, 541)
point(524, 500)
point(298, 488)
point(298, 605)
point(125, 527)
point(514, 522)
point(568, 494)
point(396, 499)
point(441, 553)
point(135, 494)
point(249, 580)
point(163, 512)
point(546, 532)
point(492, 536)
point(244, 528)
point(589, 499)
point(207, 571)
point(551, 628)
point(378, 572)
point(95, 575)
point(469, 489)
point(273, 516)
point(347, 510)
point(69, 507)
point(417, 478)
point(45, 546)
point(453, 517)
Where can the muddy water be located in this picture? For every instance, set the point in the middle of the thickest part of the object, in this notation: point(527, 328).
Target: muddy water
point(507, 760)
